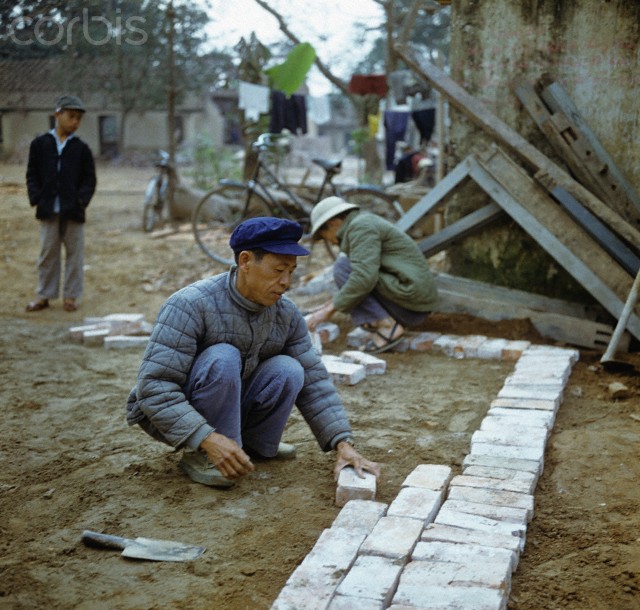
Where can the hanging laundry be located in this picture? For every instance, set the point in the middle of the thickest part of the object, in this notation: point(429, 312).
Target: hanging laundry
point(253, 99)
point(425, 121)
point(319, 109)
point(288, 113)
point(362, 84)
point(395, 127)
point(373, 120)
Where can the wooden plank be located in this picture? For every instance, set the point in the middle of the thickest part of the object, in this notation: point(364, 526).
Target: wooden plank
point(581, 149)
point(433, 199)
point(516, 299)
point(558, 100)
point(561, 137)
point(587, 167)
point(533, 209)
point(556, 320)
point(459, 229)
point(608, 240)
point(525, 151)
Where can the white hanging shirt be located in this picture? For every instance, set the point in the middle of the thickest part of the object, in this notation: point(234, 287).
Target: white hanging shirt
point(253, 99)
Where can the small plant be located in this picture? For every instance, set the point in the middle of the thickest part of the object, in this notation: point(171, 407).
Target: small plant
point(210, 164)
point(358, 139)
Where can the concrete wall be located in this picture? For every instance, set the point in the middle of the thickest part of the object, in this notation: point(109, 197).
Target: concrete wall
point(144, 131)
point(592, 47)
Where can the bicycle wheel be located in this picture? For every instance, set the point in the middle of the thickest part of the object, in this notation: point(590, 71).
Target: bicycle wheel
point(217, 215)
point(150, 206)
point(376, 201)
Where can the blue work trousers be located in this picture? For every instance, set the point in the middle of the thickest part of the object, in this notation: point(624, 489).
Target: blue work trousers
point(252, 412)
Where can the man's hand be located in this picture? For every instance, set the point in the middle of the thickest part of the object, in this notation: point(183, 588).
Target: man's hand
point(227, 456)
point(323, 313)
point(348, 456)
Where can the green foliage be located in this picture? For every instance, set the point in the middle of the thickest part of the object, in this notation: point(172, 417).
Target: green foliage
point(253, 58)
point(358, 139)
point(118, 47)
point(431, 29)
point(210, 164)
point(289, 75)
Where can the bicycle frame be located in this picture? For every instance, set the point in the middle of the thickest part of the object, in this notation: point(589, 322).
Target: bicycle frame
point(255, 185)
point(264, 193)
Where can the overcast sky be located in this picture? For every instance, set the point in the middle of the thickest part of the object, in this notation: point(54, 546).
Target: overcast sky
point(326, 24)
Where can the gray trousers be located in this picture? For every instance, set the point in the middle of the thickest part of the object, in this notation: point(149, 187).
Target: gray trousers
point(253, 412)
point(53, 237)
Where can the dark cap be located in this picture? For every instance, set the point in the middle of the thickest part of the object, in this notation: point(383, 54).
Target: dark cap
point(69, 102)
point(275, 235)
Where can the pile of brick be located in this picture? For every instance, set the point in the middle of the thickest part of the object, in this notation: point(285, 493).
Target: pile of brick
point(445, 541)
point(114, 331)
point(351, 366)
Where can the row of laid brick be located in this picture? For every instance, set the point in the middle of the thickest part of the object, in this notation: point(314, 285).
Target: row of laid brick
point(425, 551)
point(455, 346)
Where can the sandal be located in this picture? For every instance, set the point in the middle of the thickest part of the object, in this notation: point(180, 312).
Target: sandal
point(69, 305)
point(372, 348)
point(38, 305)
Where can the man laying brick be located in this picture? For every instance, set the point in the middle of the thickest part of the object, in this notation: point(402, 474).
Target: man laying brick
point(384, 281)
point(228, 358)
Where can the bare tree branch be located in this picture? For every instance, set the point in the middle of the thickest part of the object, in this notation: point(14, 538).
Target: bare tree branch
point(408, 22)
point(402, 33)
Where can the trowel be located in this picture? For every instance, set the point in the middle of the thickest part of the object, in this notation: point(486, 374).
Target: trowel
point(144, 548)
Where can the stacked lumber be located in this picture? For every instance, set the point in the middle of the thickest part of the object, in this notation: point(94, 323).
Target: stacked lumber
point(586, 217)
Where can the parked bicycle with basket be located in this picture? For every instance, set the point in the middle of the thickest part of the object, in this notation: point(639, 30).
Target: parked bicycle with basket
point(264, 194)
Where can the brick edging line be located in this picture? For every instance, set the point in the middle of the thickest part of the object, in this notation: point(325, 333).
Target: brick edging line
point(446, 541)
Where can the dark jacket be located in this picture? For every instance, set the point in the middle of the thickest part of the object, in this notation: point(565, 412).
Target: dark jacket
point(74, 183)
point(212, 311)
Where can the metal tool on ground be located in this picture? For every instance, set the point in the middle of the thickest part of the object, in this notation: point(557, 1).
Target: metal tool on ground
point(144, 548)
point(608, 362)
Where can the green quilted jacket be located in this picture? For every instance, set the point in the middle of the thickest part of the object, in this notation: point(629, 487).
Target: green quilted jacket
point(385, 259)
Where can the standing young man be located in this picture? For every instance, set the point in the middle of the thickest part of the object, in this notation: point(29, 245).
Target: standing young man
point(61, 180)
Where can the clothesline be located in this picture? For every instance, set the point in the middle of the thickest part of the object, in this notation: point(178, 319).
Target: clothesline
point(293, 112)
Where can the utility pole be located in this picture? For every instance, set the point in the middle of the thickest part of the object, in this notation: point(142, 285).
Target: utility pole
point(171, 107)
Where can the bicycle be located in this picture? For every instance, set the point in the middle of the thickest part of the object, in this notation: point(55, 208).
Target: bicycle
point(264, 194)
point(155, 209)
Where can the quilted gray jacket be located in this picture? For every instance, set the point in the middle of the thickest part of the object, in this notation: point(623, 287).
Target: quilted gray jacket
point(213, 311)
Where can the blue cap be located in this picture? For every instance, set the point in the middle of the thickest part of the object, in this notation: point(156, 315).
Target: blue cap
point(275, 235)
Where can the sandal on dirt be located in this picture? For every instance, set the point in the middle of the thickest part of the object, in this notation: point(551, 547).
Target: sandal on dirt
point(38, 305)
point(371, 347)
point(69, 305)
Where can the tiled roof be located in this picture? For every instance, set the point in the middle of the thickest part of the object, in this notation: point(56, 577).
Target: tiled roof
point(35, 84)
point(29, 84)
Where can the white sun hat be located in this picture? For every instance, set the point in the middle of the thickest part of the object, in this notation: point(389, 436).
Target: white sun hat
point(328, 208)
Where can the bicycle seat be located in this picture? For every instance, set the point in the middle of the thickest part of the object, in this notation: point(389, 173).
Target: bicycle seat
point(332, 167)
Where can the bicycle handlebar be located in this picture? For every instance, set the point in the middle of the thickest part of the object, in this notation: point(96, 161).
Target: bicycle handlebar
point(266, 141)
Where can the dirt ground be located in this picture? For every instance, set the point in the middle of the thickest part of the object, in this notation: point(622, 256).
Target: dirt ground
point(69, 461)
